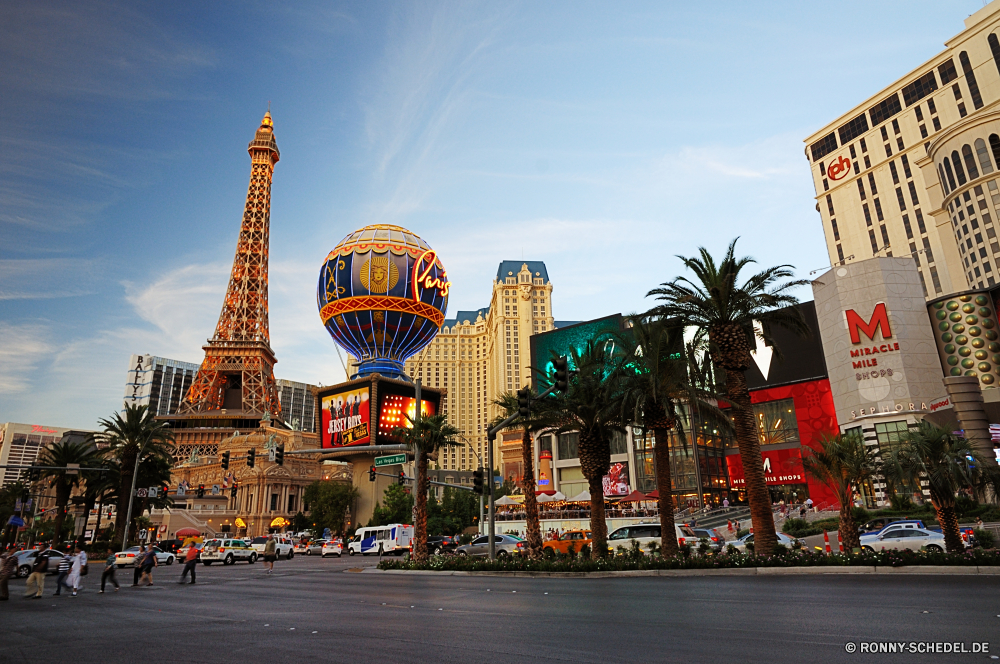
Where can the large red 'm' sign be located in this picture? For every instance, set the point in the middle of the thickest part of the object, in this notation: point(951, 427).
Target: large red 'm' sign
point(879, 321)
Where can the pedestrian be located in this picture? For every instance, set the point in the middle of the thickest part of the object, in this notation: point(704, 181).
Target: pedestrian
point(979, 522)
point(190, 563)
point(148, 563)
point(809, 504)
point(729, 524)
point(37, 577)
point(8, 568)
point(65, 563)
point(109, 571)
point(79, 570)
point(269, 554)
point(802, 512)
point(725, 503)
point(137, 565)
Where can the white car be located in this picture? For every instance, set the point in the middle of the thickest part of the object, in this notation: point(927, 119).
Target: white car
point(309, 548)
point(284, 546)
point(646, 534)
point(127, 558)
point(783, 539)
point(334, 547)
point(895, 539)
point(227, 552)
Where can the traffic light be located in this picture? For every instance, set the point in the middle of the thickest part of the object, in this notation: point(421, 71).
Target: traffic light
point(402, 478)
point(477, 481)
point(371, 474)
point(232, 492)
point(561, 378)
point(524, 402)
point(34, 474)
point(201, 490)
point(225, 460)
point(250, 457)
point(279, 455)
point(165, 490)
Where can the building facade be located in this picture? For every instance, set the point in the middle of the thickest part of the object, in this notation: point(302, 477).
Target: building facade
point(20, 445)
point(912, 170)
point(298, 404)
point(158, 382)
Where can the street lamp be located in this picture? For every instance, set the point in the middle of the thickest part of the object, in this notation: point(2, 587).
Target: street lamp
point(131, 495)
point(479, 456)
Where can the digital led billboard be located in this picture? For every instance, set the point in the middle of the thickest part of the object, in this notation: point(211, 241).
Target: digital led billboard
point(346, 417)
point(563, 340)
point(616, 481)
point(396, 411)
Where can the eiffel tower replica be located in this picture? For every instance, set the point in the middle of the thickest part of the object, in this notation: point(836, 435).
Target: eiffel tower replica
point(235, 388)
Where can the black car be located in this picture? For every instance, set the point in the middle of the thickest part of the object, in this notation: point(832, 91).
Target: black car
point(438, 544)
point(170, 546)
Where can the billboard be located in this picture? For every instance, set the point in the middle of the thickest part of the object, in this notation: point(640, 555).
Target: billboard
point(345, 417)
point(394, 410)
point(563, 340)
point(780, 467)
point(616, 481)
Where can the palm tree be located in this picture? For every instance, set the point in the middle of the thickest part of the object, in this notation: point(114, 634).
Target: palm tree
point(62, 454)
point(126, 437)
point(949, 463)
point(719, 301)
point(426, 436)
point(657, 383)
point(843, 463)
point(593, 406)
point(508, 405)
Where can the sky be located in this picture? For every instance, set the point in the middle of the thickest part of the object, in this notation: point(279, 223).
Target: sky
point(604, 139)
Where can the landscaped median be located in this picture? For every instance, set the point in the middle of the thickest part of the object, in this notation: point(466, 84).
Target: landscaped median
point(976, 561)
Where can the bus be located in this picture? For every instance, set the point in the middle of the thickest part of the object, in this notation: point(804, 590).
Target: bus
point(392, 539)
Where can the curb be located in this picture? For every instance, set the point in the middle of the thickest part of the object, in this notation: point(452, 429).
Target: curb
point(934, 570)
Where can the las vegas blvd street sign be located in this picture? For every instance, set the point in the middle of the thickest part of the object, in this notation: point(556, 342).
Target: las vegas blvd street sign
point(391, 460)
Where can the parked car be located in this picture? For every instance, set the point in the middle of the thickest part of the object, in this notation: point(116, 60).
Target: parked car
point(25, 560)
point(715, 539)
point(309, 548)
point(575, 539)
point(170, 546)
point(438, 544)
point(227, 552)
point(334, 547)
point(127, 557)
point(783, 539)
point(506, 545)
point(182, 552)
point(284, 546)
point(904, 537)
point(646, 534)
point(881, 523)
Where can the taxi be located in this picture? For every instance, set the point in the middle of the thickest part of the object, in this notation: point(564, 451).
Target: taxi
point(227, 552)
point(571, 538)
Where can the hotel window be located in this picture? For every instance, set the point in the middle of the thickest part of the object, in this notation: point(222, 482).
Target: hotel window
point(947, 72)
point(931, 107)
point(948, 172)
point(984, 156)
point(776, 422)
point(899, 198)
point(868, 215)
point(913, 193)
point(568, 444)
point(906, 226)
point(906, 166)
point(970, 79)
point(868, 162)
point(937, 124)
point(823, 146)
point(840, 253)
point(885, 237)
point(836, 232)
point(852, 130)
point(959, 173)
point(920, 113)
point(864, 148)
point(961, 110)
point(936, 279)
point(829, 203)
point(885, 109)
point(923, 131)
point(895, 175)
point(871, 237)
point(970, 163)
point(920, 221)
point(871, 184)
point(919, 89)
point(899, 144)
point(861, 188)
point(878, 210)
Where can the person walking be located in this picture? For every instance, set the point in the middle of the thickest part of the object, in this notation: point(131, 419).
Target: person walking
point(8, 568)
point(190, 563)
point(109, 571)
point(37, 577)
point(270, 554)
point(148, 563)
point(79, 569)
point(725, 503)
point(137, 565)
point(65, 563)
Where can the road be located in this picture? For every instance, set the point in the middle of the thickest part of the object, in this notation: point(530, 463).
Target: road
point(310, 610)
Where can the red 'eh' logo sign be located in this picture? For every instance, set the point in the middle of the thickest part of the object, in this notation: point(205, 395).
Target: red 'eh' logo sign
point(839, 169)
point(879, 321)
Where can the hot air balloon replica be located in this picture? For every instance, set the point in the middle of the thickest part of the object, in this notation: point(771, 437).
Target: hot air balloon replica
point(382, 296)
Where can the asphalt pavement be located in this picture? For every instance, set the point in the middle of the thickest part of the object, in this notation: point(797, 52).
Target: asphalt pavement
point(313, 610)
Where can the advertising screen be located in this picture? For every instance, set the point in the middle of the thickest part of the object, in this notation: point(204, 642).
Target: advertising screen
point(616, 481)
point(345, 418)
point(395, 409)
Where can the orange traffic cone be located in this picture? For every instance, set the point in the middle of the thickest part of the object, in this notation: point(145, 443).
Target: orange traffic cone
point(826, 542)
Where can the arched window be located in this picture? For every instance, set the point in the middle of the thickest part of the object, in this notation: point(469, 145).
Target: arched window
point(957, 163)
point(951, 178)
point(970, 163)
point(970, 78)
point(984, 156)
point(944, 181)
point(995, 47)
point(995, 146)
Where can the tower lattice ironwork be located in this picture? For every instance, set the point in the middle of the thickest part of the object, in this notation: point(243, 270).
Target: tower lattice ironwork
point(238, 371)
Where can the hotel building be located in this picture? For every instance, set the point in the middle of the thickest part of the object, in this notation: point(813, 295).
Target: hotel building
point(913, 169)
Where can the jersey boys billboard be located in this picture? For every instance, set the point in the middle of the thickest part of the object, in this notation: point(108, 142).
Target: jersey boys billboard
point(345, 418)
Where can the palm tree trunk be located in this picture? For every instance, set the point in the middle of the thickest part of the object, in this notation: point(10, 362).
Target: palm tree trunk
point(534, 528)
point(598, 524)
point(124, 489)
point(738, 395)
point(948, 519)
point(63, 489)
point(848, 530)
point(664, 487)
point(595, 460)
point(420, 503)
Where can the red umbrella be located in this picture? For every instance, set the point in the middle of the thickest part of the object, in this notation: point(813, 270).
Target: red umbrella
point(634, 497)
point(653, 495)
point(187, 532)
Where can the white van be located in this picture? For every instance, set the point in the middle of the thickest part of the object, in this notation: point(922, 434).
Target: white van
point(392, 539)
point(647, 533)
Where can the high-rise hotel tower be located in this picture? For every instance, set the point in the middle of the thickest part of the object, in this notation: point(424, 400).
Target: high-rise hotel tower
point(913, 170)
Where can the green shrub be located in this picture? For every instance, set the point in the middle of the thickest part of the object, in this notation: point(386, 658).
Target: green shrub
point(861, 515)
point(986, 538)
point(585, 551)
point(800, 528)
point(703, 547)
point(965, 504)
point(901, 503)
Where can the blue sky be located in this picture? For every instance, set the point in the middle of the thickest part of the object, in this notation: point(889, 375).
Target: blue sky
point(601, 138)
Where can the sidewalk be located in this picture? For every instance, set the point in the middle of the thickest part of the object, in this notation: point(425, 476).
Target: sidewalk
point(934, 570)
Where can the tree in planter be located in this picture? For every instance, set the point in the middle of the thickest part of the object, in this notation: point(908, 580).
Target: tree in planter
point(63, 453)
point(949, 463)
point(396, 507)
point(593, 406)
point(125, 435)
point(508, 405)
point(656, 383)
point(329, 503)
point(843, 462)
point(726, 305)
point(425, 436)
